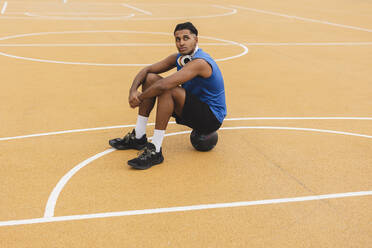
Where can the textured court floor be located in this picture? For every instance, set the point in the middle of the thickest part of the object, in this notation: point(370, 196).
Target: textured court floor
point(292, 167)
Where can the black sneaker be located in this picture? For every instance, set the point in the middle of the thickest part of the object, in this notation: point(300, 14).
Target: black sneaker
point(129, 142)
point(148, 158)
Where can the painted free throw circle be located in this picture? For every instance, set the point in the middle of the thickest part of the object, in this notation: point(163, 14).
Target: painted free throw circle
point(223, 42)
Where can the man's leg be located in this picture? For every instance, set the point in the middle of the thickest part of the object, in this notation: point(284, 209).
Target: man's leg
point(146, 106)
point(168, 102)
point(137, 138)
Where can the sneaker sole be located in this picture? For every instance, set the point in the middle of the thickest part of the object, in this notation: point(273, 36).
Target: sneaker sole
point(119, 147)
point(145, 168)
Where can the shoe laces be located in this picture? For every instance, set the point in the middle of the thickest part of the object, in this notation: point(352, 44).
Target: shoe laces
point(145, 153)
point(129, 136)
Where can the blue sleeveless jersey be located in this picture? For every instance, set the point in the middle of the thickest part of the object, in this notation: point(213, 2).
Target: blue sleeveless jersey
point(209, 90)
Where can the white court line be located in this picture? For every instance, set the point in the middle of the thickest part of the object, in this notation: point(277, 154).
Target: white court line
point(245, 49)
point(72, 3)
point(63, 132)
point(172, 122)
point(49, 209)
point(307, 43)
point(300, 129)
point(83, 31)
point(4, 8)
point(67, 63)
point(172, 44)
point(68, 13)
point(109, 45)
point(299, 118)
point(80, 18)
point(232, 12)
point(53, 197)
point(303, 18)
point(184, 208)
point(137, 9)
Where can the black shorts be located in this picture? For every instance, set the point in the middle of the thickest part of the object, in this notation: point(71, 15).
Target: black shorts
point(197, 115)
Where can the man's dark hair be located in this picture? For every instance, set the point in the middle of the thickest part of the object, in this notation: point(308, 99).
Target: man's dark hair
point(188, 26)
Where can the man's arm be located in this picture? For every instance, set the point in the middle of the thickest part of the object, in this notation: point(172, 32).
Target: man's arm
point(159, 67)
point(198, 67)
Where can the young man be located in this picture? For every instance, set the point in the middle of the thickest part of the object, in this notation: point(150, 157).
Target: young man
point(194, 95)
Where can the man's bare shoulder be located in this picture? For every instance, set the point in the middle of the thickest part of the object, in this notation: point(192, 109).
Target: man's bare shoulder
point(202, 66)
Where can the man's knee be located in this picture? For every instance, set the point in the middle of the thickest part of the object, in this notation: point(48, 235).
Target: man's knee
point(151, 78)
point(165, 95)
point(176, 95)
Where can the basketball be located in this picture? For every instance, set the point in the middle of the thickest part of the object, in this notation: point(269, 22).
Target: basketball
point(203, 142)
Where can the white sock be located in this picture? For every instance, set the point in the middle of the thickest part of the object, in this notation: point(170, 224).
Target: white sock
point(141, 126)
point(157, 139)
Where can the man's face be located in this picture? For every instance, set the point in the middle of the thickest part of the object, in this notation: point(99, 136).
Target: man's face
point(185, 41)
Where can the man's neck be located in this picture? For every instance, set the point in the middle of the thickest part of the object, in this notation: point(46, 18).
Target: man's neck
point(195, 50)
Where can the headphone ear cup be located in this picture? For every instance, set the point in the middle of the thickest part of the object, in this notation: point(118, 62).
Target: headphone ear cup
point(186, 59)
point(179, 61)
point(183, 60)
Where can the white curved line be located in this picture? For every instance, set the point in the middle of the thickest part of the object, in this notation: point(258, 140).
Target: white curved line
point(109, 31)
point(79, 32)
point(300, 129)
point(49, 209)
point(79, 18)
point(172, 122)
point(4, 8)
point(66, 62)
point(50, 206)
point(230, 42)
point(73, 13)
point(232, 12)
point(53, 197)
point(106, 44)
point(172, 44)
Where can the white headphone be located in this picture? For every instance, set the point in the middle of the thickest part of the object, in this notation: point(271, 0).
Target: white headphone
point(183, 60)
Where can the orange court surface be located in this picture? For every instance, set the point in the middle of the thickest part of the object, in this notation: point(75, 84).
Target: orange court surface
point(293, 164)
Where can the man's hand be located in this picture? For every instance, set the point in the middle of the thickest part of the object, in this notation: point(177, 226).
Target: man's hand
point(134, 101)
